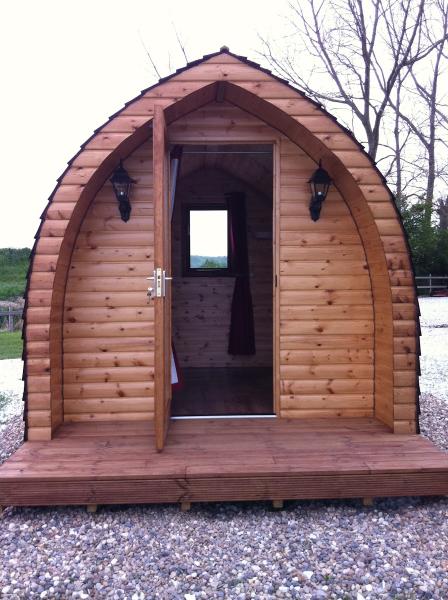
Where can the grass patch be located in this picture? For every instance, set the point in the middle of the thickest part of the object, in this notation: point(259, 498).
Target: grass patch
point(10, 344)
point(13, 267)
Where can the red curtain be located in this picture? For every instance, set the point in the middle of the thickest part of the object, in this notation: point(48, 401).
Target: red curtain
point(242, 332)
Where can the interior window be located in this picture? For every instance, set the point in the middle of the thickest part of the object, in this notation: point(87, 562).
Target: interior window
point(207, 247)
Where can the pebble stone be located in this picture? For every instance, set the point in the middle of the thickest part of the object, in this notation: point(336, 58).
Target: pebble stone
point(309, 551)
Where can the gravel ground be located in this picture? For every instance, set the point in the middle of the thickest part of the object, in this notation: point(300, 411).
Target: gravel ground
point(434, 347)
point(311, 550)
point(434, 368)
point(11, 407)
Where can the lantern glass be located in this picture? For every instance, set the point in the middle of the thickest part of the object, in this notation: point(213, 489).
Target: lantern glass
point(121, 189)
point(320, 183)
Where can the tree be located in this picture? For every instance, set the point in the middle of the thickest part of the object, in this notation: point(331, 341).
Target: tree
point(370, 60)
point(423, 115)
point(428, 240)
point(442, 211)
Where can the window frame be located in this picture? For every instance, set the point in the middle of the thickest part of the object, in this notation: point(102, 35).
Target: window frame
point(189, 271)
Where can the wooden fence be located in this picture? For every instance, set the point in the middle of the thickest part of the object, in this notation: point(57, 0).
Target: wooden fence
point(8, 318)
point(430, 283)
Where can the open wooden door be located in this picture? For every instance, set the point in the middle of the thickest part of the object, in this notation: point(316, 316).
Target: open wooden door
point(162, 279)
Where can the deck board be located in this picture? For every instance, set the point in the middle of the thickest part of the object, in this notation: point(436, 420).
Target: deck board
point(222, 459)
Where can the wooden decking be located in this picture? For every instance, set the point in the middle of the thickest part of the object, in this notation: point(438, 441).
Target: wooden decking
point(225, 459)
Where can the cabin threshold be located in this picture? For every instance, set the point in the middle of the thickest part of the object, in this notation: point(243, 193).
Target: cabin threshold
point(213, 460)
point(199, 417)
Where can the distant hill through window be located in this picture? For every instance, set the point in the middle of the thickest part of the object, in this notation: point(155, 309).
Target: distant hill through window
point(208, 262)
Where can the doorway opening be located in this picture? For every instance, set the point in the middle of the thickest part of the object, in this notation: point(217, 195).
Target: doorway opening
point(222, 292)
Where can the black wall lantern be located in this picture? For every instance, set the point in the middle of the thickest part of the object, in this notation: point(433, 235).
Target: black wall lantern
point(122, 187)
point(320, 183)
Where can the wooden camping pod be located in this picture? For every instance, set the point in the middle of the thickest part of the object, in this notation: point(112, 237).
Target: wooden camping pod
point(354, 261)
point(335, 314)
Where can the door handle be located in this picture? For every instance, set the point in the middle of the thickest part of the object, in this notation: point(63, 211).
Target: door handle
point(160, 278)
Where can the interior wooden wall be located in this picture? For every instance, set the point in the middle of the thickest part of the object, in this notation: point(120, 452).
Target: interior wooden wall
point(108, 321)
point(201, 305)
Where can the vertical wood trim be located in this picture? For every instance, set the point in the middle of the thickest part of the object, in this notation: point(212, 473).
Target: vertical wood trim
point(161, 370)
point(56, 333)
point(276, 275)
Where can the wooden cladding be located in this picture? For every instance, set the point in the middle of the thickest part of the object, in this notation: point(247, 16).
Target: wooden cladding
point(108, 321)
point(326, 326)
point(324, 292)
point(81, 202)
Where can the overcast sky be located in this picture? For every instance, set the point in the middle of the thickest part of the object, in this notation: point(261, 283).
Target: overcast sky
point(67, 66)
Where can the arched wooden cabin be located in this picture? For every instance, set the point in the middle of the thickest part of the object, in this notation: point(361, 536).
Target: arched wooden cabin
point(322, 314)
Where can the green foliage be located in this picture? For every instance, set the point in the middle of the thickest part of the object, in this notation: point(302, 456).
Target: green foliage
point(428, 242)
point(208, 262)
point(13, 267)
point(10, 344)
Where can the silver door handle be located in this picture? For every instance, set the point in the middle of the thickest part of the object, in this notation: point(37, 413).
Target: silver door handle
point(160, 278)
point(166, 278)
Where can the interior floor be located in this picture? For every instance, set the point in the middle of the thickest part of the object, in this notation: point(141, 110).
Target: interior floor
point(224, 391)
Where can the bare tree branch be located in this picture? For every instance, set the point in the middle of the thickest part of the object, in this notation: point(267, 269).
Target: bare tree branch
point(148, 54)
point(180, 42)
point(381, 60)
